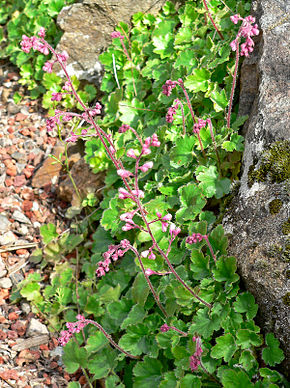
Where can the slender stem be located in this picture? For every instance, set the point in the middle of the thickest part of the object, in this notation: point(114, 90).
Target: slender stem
point(200, 144)
point(210, 247)
point(87, 377)
point(156, 297)
point(179, 331)
point(183, 119)
point(211, 19)
point(180, 83)
point(233, 86)
point(110, 338)
point(214, 144)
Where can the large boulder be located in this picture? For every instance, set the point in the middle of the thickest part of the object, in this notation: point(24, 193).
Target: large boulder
point(257, 220)
point(87, 27)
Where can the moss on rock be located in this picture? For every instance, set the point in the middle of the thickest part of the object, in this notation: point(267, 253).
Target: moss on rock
point(275, 164)
point(275, 206)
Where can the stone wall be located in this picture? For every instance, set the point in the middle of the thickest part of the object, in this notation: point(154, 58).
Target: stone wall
point(258, 218)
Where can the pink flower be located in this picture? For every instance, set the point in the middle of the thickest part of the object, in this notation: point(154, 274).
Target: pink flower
point(151, 256)
point(146, 166)
point(168, 86)
point(155, 141)
point(127, 216)
point(124, 128)
point(138, 193)
point(194, 360)
point(168, 217)
point(149, 272)
point(116, 34)
point(84, 132)
point(56, 96)
point(145, 253)
point(174, 231)
point(41, 32)
point(127, 227)
point(62, 57)
point(123, 194)
point(125, 244)
point(67, 86)
point(194, 238)
point(124, 173)
point(235, 19)
point(26, 44)
point(164, 328)
point(48, 67)
point(131, 153)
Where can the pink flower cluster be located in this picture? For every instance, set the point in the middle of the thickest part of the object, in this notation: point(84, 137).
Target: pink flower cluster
point(172, 111)
point(113, 252)
point(116, 34)
point(194, 238)
point(168, 86)
point(194, 360)
point(73, 327)
point(164, 220)
point(199, 125)
point(33, 43)
point(247, 30)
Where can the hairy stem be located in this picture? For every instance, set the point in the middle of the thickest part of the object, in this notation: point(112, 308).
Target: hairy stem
point(233, 86)
point(211, 19)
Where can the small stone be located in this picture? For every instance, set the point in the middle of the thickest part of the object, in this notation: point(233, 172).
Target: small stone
point(7, 238)
point(36, 327)
point(3, 270)
point(19, 156)
point(18, 216)
point(13, 108)
point(25, 308)
point(20, 167)
point(20, 116)
point(4, 224)
point(5, 283)
point(19, 180)
point(11, 171)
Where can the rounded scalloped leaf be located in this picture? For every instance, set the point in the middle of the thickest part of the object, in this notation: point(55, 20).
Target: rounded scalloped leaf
point(272, 354)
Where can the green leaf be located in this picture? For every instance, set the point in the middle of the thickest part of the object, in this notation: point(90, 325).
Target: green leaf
point(248, 360)
point(226, 270)
point(245, 303)
point(74, 357)
point(192, 202)
point(74, 384)
point(102, 239)
point(203, 324)
point(200, 265)
point(234, 379)
point(102, 363)
point(182, 153)
point(198, 80)
point(270, 375)
point(96, 342)
point(218, 240)
point(147, 373)
point(50, 80)
point(247, 338)
point(140, 289)
point(163, 38)
point(169, 380)
point(31, 291)
point(190, 381)
point(136, 315)
point(113, 381)
point(219, 99)
point(272, 355)
point(48, 232)
point(211, 184)
point(225, 347)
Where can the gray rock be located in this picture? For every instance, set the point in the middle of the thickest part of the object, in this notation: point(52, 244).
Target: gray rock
point(18, 216)
point(13, 108)
point(93, 21)
point(5, 283)
point(3, 270)
point(36, 327)
point(19, 156)
point(25, 307)
point(258, 218)
point(4, 224)
point(7, 238)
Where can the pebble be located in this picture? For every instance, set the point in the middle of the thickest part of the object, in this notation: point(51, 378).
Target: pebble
point(18, 216)
point(8, 238)
point(4, 224)
point(3, 270)
point(36, 327)
point(25, 308)
point(5, 283)
point(19, 156)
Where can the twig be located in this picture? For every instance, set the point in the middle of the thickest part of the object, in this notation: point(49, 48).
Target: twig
point(10, 385)
point(21, 246)
point(115, 71)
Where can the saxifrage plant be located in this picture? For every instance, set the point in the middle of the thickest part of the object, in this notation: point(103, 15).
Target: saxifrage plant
point(203, 323)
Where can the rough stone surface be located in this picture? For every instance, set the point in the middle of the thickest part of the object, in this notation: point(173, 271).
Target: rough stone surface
point(4, 224)
point(36, 327)
point(87, 27)
point(256, 224)
point(5, 283)
point(86, 181)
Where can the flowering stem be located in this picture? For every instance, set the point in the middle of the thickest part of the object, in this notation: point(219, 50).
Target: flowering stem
point(233, 86)
point(211, 19)
point(200, 144)
point(180, 82)
point(210, 247)
point(179, 331)
point(214, 144)
point(183, 119)
point(110, 338)
point(156, 297)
